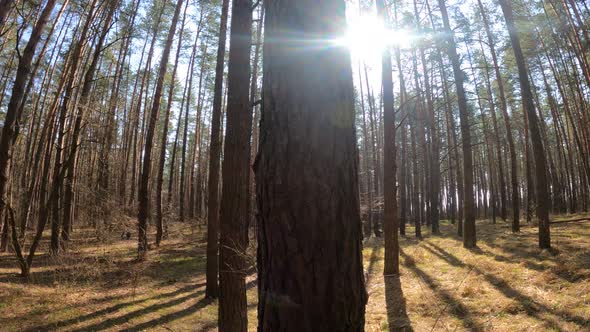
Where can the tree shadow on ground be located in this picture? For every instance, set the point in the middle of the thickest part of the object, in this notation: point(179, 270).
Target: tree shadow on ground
point(513, 259)
point(372, 260)
point(115, 308)
point(171, 316)
point(170, 265)
point(165, 319)
point(458, 309)
point(112, 322)
point(397, 316)
point(530, 305)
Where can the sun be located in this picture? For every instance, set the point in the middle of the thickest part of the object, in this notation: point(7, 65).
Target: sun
point(367, 37)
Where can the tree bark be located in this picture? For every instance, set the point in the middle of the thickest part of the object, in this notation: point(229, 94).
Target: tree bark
point(307, 175)
point(234, 216)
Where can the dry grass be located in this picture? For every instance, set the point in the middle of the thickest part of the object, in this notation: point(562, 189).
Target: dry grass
point(507, 284)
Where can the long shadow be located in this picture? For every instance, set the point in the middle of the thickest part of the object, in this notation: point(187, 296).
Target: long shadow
point(458, 309)
point(532, 307)
point(112, 322)
point(110, 275)
point(112, 309)
point(514, 260)
point(182, 313)
point(372, 261)
point(56, 269)
point(397, 316)
point(171, 316)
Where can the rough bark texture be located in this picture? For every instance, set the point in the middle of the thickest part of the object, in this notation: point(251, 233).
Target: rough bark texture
point(234, 216)
point(310, 264)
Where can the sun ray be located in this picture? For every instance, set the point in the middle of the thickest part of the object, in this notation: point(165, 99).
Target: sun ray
point(367, 37)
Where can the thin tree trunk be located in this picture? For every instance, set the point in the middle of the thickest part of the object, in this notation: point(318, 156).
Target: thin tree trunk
point(390, 222)
point(162, 159)
point(212, 288)
point(181, 192)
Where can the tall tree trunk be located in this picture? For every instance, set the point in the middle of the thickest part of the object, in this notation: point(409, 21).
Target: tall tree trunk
point(403, 100)
point(307, 175)
point(376, 161)
point(164, 143)
point(538, 151)
point(143, 211)
point(83, 104)
point(506, 117)
point(469, 235)
point(488, 145)
point(416, 207)
point(234, 216)
point(173, 167)
point(369, 222)
point(68, 100)
point(255, 137)
point(109, 135)
point(212, 288)
point(11, 128)
point(182, 189)
point(502, 182)
point(390, 226)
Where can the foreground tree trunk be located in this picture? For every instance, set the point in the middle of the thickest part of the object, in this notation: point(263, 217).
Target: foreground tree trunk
point(233, 239)
point(543, 201)
point(143, 213)
point(306, 175)
point(212, 288)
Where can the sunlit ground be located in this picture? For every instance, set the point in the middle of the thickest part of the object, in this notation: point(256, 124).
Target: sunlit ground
point(505, 285)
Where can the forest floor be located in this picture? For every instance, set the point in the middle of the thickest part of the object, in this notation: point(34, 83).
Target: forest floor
point(506, 284)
